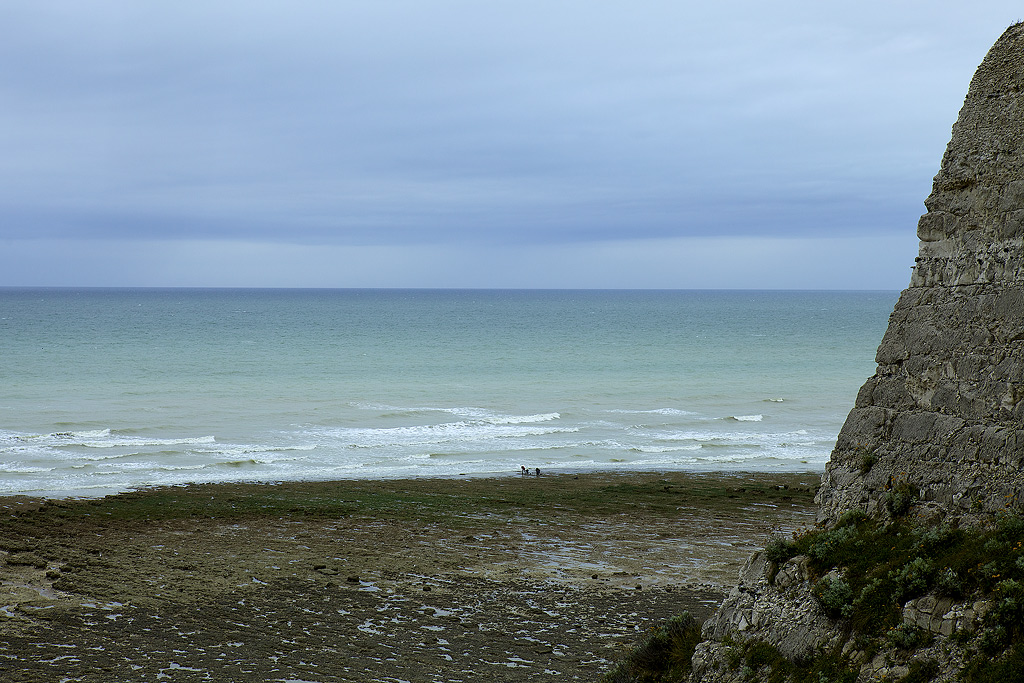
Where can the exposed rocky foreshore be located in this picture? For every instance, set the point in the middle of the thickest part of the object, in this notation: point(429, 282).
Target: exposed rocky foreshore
point(510, 579)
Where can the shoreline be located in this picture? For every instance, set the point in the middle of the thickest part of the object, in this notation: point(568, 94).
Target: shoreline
point(462, 578)
point(100, 493)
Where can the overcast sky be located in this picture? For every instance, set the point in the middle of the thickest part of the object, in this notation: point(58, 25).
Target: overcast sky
point(393, 143)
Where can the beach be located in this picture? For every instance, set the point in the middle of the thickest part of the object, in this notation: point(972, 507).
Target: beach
point(434, 579)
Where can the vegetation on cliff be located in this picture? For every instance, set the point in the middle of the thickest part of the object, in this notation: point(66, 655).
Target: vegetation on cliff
point(865, 572)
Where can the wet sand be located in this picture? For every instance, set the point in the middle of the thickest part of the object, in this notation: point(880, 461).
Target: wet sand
point(468, 579)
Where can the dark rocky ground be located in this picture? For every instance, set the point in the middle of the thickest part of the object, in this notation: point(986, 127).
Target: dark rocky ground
point(433, 580)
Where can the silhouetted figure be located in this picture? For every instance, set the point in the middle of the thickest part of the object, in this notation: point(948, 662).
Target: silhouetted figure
point(538, 471)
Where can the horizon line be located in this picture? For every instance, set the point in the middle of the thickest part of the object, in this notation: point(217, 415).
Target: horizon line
point(441, 289)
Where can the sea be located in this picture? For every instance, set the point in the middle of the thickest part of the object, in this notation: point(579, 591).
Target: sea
point(109, 390)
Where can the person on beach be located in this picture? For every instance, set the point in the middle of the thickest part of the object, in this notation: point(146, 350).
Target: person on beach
point(523, 468)
point(538, 471)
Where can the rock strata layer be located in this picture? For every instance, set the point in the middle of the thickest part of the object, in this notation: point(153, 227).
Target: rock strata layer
point(937, 431)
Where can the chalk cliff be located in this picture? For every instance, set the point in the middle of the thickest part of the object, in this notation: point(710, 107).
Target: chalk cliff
point(944, 412)
point(937, 434)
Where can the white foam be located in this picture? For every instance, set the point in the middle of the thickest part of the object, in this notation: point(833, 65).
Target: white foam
point(706, 436)
point(14, 468)
point(473, 413)
point(417, 442)
point(104, 438)
point(434, 434)
point(87, 434)
point(523, 419)
point(141, 442)
point(654, 411)
point(248, 449)
point(665, 449)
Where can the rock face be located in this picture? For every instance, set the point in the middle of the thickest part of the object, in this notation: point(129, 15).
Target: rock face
point(782, 612)
point(939, 429)
point(943, 414)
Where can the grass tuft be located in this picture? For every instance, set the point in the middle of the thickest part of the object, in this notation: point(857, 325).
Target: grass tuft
point(663, 657)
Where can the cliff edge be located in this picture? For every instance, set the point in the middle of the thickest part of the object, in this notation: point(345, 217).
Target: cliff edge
point(916, 572)
point(944, 412)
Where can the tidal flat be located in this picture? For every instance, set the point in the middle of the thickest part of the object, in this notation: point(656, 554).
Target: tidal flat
point(458, 579)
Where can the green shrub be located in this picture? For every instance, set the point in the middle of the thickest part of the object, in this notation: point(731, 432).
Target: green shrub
point(760, 654)
point(996, 546)
point(899, 500)
point(909, 637)
point(1010, 526)
point(1008, 668)
point(993, 640)
point(853, 517)
point(874, 610)
point(948, 583)
point(832, 545)
point(913, 578)
point(835, 596)
point(762, 662)
point(779, 550)
point(1009, 607)
point(935, 538)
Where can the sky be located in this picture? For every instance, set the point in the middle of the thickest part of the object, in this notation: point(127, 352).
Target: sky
point(555, 144)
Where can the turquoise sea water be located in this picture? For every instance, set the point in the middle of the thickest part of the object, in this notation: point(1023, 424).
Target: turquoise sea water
point(107, 390)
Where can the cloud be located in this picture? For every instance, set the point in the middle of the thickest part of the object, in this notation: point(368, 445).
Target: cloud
point(451, 123)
